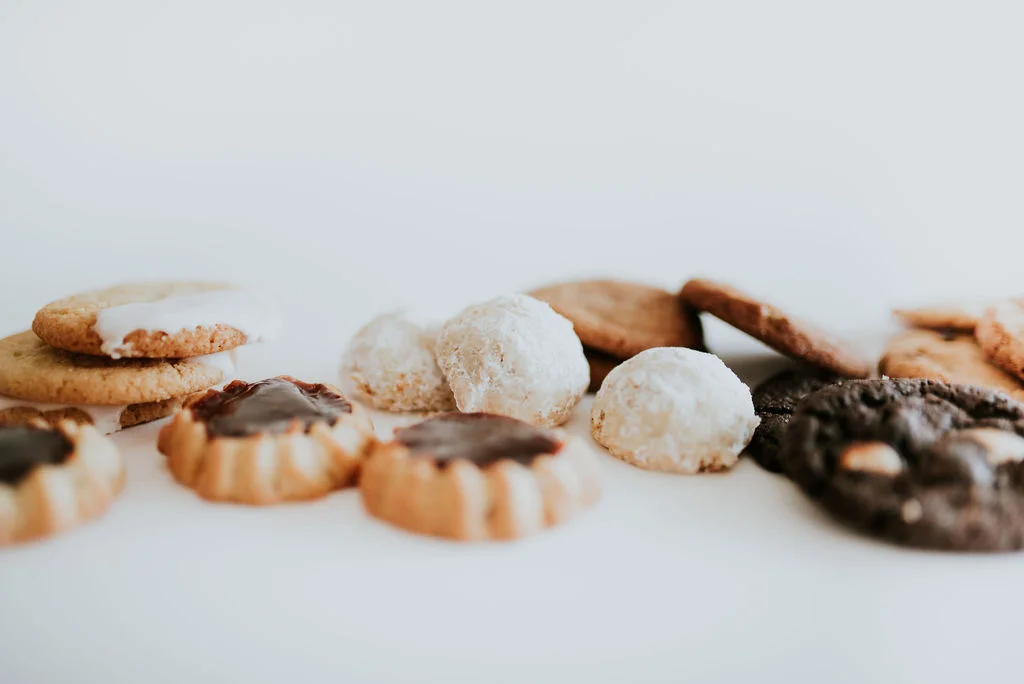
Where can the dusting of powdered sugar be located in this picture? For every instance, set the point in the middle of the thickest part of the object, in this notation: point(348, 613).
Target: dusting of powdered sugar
point(516, 357)
point(390, 364)
point(674, 409)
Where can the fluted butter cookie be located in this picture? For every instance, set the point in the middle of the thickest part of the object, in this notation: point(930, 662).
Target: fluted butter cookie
point(476, 476)
point(623, 318)
point(675, 410)
point(784, 333)
point(267, 442)
point(54, 478)
point(157, 320)
point(514, 356)
point(947, 356)
point(32, 371)
point(106, 419)
point(390, 364)
point(916, 462)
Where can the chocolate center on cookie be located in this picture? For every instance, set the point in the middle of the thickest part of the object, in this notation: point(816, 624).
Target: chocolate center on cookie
point(24, 448)
point(270, 406)
point(478, 437)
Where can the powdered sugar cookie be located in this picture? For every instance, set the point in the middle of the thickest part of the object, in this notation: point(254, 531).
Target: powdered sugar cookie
point(157, 320)
point(675, 410)
point(390, 365)
point(514, 356)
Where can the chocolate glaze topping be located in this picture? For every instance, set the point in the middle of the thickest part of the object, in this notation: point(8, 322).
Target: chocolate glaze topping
point(271, 406)
point(478, 437)
point(24, 448)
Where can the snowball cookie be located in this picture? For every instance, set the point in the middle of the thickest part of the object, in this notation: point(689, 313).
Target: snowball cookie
point(516, 357)
point(390, 365)
point(674, 409)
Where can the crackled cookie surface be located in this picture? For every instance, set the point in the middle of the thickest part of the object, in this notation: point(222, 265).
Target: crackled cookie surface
point(916, 462)
point(157, 320)
point(476, 476)
point(514, 356)
point(674, 409)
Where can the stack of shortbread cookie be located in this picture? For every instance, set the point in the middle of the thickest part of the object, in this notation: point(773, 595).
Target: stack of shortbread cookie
point(128, 354)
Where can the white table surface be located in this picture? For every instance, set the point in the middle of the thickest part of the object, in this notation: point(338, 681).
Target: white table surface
point(353, 157)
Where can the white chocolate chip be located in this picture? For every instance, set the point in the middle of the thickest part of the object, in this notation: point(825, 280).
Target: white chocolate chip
point(877, 458)
point(1001, 446)
point(911, 511)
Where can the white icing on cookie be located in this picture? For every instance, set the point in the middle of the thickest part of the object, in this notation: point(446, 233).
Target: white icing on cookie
point(106, 419)
point(674, 409)
point(389, 364)
point(255, 317)
point(516, 357)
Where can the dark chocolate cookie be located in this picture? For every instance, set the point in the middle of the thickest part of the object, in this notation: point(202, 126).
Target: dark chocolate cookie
point(775, 400)
point(917, 462)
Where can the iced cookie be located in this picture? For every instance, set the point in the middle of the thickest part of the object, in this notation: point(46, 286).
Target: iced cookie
point(675, 410)
point(623, 318)
point(1000, 333)
point(157, 320)
point(946, 356)
point(916, 462)
point(54, 478)
point(783, 333)
point(478, 476)
point(514, 356)
point(267, 442)
point(390, 364)
point(33, 371)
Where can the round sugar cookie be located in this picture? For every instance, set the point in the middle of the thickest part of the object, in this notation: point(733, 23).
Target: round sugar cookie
point(32, 370)
point(674, 410)
point(949, 357)
point(157, 320)
point(390, 364)
point(624, 318)
point(785, 334)
point(1000, 333)
point(514, 356)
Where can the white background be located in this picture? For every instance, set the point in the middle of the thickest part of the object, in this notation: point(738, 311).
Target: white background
point(352, 157)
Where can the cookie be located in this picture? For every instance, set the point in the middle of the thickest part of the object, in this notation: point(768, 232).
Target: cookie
point(783, 333)
point(674, 410)
point(32, 370)
point(1000, 333)
point(106, 419)
point(54, 478)
point(775, 400)
point(956, 316)
point(601, 364)
point(267, 442)
point(917, 462)
point(157, 320)
point(946, 356)
point(390, 364)
point(514, 356)
point(623, 318)
point(475, 476)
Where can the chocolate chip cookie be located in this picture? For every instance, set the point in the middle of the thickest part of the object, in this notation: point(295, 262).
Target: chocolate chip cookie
point(917, 462)
point(775, 400)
